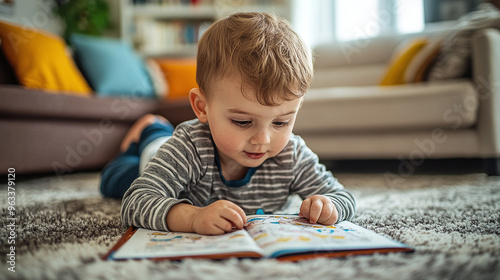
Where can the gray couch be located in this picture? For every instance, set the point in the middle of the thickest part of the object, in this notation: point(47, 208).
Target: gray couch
point(59, 133)
point(347, 116)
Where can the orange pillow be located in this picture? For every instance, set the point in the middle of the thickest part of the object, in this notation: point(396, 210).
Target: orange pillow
point(180, 75)
point(40, 60)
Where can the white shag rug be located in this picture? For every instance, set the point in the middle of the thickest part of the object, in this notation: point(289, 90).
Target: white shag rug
point(63, 227)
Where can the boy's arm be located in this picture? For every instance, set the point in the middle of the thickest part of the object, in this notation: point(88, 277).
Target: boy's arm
point(141, 209)
point(152, 195)
point(152, 200)
point(314, 183)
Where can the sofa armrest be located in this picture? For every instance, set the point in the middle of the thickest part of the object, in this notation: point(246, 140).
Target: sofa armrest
point(486, 76)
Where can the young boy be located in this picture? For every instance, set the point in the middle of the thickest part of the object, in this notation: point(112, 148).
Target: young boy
point(239, 155)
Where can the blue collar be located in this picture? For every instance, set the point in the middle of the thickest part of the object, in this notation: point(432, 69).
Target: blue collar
point(234, 183)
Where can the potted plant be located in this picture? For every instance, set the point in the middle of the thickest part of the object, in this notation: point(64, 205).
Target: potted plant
point(89, 17)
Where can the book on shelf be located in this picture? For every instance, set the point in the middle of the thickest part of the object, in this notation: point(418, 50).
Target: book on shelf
point(172, 2)
point(285, 237)
point(157, 36)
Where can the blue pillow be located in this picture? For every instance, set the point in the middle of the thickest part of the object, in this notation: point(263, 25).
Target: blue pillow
point(111, 67)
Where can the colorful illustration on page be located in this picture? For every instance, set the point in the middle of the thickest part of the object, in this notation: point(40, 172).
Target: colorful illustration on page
point(159, 241)
point(270, 230)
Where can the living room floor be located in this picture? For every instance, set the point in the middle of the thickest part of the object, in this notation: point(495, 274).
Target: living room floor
point(64, 227)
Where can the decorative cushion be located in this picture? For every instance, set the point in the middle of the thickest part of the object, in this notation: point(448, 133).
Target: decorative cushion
point(40, 60)
point(454, 60)
point(418, 66)
point(159, 81)
point(112, 67)
point(400, 61)
point(180, 75)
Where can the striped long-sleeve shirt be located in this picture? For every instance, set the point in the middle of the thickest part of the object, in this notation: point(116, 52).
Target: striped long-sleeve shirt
point(185, 170)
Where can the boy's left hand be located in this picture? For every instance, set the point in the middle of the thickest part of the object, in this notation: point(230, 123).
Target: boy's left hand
point(319, 209)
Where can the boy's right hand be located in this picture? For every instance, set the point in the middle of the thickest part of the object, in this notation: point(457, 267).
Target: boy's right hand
point(218, 218)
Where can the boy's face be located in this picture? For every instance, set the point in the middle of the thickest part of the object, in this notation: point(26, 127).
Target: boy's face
point(246, 132)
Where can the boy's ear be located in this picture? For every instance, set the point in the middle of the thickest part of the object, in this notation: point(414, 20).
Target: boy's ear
point(199, 104)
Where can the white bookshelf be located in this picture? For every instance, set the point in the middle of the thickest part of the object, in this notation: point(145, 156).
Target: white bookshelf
point(174, 12)
point(171, 28)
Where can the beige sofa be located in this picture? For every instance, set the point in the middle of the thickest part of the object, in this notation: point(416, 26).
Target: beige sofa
point(347, 116)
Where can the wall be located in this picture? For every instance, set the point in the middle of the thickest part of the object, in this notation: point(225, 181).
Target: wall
point(36, 13)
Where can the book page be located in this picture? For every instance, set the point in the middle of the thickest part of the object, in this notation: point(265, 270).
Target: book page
point(158, 244)
point(290, 234)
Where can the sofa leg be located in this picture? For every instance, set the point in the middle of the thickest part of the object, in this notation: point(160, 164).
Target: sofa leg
point(491, 166)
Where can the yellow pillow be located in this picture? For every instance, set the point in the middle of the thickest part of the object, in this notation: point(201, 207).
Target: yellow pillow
point(180, 75)
point(395, 74)
point(40, 60)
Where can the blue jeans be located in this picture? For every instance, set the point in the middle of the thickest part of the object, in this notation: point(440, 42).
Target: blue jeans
point(118, 175)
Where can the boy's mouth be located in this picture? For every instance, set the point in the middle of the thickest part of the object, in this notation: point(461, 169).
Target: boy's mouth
point(255, 155)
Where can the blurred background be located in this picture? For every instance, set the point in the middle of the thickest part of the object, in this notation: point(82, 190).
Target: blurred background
point(172, 27)
point(368, 51)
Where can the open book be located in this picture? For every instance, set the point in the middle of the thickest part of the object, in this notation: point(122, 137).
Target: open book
point(286, 237)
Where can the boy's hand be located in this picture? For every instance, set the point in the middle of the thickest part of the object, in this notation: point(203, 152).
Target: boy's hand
point(218, 218)
point(319, 209)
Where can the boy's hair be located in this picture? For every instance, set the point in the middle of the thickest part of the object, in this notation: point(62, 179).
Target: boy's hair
point(262, 50)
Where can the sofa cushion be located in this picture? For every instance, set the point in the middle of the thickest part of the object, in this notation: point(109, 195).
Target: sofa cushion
point(112, 67)
point(352, 53)
point(357, 75)
point(416, 71)
point(401, 59)
point(417, 106)
point(367, 51)
point(362, 62)
point(180, 75)
point(416, 145)
point(158, 80)
point(40, 60)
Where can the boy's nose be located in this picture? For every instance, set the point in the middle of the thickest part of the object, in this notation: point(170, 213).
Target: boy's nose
point(261, 137)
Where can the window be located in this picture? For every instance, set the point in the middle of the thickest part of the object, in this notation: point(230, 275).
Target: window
point(356, 19)
point(409, 16)
point(319, 21)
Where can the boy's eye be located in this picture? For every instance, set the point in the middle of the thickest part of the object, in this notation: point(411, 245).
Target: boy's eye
point(241, 123)
point(280, 124)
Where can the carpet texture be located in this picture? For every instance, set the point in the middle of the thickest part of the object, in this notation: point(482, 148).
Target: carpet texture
point(63, 227)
